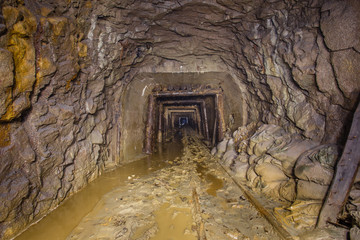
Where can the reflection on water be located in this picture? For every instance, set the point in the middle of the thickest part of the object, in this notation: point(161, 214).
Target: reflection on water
point(58, 224)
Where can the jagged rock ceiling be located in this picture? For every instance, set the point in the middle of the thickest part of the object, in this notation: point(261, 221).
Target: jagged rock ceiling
point(66, 65)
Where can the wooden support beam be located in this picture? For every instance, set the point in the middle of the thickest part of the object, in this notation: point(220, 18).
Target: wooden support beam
point(188, 108)
point(166, 125)
point(159, 135)
point(198, 120)
point(150, 126)
point(204, 120)
point(345, 174)
point(165, 122)
point(172, 121)
point(214, 132)
point(182, 102)
point(118, 155)
point(220, 116)
point(185, 93)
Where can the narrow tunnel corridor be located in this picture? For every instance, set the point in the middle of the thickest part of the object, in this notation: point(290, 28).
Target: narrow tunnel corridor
point(170, 108)
point(236, 119)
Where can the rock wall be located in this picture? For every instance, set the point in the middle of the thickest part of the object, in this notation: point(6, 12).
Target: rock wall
point(64, 66)
point(54, 120)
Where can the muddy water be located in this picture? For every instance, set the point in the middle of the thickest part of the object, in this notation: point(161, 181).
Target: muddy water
point(173, 223)
point(215, 182)
point(172, 196)
point(59, 223)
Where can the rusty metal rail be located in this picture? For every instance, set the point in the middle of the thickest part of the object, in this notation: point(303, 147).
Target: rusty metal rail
point(282, 232)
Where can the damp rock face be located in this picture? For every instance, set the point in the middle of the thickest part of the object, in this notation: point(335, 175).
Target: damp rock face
point(65, 67)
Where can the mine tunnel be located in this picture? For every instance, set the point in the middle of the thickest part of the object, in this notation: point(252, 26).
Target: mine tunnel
point(173, 108)
point(186, 119)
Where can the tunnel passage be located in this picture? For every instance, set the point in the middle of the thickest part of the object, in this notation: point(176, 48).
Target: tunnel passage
point(170, 108)
point(169, 91)
point(77, 76)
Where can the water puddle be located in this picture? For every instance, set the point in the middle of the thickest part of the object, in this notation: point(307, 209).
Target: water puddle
point(173, 223)
point(58, 224)
point(215, 183)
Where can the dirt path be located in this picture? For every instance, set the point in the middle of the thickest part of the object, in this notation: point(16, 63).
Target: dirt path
point(191, 199)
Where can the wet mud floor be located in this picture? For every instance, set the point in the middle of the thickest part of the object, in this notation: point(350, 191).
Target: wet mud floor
point(184, 195)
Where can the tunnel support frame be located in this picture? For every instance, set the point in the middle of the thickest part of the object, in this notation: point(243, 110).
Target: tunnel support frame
point(163, 121)
point(202, 107)
point(150, 126)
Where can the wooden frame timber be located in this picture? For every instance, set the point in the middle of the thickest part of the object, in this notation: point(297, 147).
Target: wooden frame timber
point(346, 170)
point(204, 118)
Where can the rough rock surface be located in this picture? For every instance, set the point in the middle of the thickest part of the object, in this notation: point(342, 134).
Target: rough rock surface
point(65, 64)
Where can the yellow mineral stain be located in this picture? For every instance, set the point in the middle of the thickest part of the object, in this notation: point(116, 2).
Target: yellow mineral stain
point(8, 232)
point(28, 25)
point(24, 59)
point(82, 49)
point(10, 114)
point(45, 67)
point(10, 14)
point(5, 139)
point(88, 4)
point(68, 82)
point(173, 223)
point(20, 44)
point(44, 11)
point(58, 24)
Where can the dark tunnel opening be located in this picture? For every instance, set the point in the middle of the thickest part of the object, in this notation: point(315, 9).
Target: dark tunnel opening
point(183, 121)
